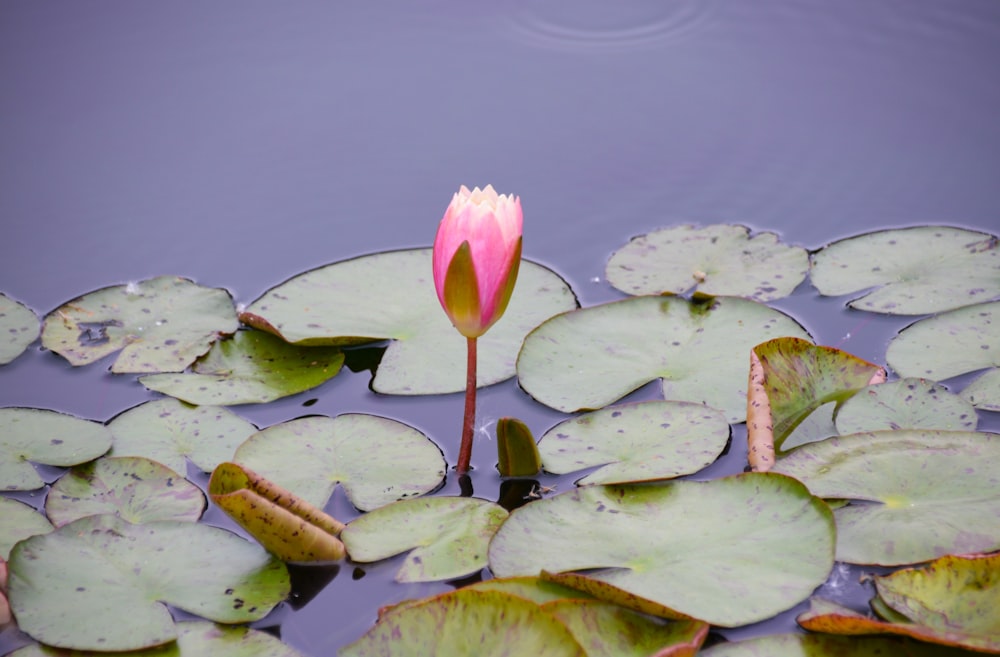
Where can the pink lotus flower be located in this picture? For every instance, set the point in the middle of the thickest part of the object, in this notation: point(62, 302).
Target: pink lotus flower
point(477, 252)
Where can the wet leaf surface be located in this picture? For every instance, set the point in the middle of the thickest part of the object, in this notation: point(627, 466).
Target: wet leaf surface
point(19, 327)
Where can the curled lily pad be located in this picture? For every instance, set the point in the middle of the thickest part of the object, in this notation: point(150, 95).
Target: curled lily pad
point(170, 431)
point(914, 494)
point(19, 327)
point(251, 367)
point(160, 325)
point(390, 296)
point(447, 535)
point(375, 459)
point(636, 442)
point(716, 260)
point(586, 359)
point(43, 436)
point(18, 521)
point(131, 487)
point(906, 404)
point(925, 269)
point(73, 587)
point(730, 551)
point(952, 343)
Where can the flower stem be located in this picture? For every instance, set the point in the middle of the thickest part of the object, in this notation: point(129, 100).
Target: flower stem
point(465, 451)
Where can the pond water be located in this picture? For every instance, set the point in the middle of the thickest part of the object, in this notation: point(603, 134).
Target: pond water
point(239, 144)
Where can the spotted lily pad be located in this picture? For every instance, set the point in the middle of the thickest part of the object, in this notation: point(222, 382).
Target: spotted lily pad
point(906, 404)
point(43, 436)
point(730, 551)
point(19, 327)
point(375, 459)
point(926, 269)
point(160, 325)
point(251, 367)
point(170, 431)
point(716, 260)
point(73, 587)
point(588, 358)
point(18, 521)
point(194, 639)
point(131, 487)
point(914, 494)
point(953, 343)
point(828, 645)
point(447, 536)
point(390, 296)
point(636, 442)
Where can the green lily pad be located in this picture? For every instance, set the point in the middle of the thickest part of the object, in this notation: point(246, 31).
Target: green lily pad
point(18, 521)
point(133, 488)
point(730, 551)
point(586, 359)
point(160, 325)
point(447, 535)
point(194, 639)
point(73, 587)
point(914, 494)
point(467, 622)
point(375, 459)
point(170, 431)
point(984, 392)
point(19, 327)
point(953, 343)
point(636, 442)
point(925, 269)
point(43, 436)
point(828, 645)
point(390, 296)
point(533, 588)
point(251, 367)
point(906, 404)
point(716, 260)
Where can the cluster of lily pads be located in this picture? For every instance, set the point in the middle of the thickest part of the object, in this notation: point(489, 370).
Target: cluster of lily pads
point(847, 467)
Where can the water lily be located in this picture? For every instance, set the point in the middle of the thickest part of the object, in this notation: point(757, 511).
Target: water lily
point(477, 252)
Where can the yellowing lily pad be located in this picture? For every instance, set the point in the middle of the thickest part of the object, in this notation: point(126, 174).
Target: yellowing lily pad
point(447, 536)
point(251, 367)
point(390, 296)
point(159, 325)
point(586, 359)
point(43, 436)
point(925, 269)
point(730, 551)
point(19, 327)
point(913, 495)
point(134, 488)
point(828, 645)
point(636, 442)
point(714, 260)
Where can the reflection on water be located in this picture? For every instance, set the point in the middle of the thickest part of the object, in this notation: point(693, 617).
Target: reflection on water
point(240, 145)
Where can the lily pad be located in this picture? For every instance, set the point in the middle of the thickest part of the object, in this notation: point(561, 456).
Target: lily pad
point(133, 488)
point(828, 645)
point(170, 431)
point(925, 269)
point(447, 535)
point(716, 260)
point(467, 622)
point(906, 404)
point(914, 494)
point(194, 639)
point(390, 296)
point(251, 367)
point(729, 551)
point(984, 392)
point(160, 325)
point(18, 521)
point(636, 442)
point(43, 436)
point(19, 327)
point(72, 588)
point(375, 459)
point(953, 343)
point(533, 588)
point(586, 359)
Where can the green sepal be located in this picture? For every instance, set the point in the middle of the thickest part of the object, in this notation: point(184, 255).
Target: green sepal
point(516, 449)
point(461, 293)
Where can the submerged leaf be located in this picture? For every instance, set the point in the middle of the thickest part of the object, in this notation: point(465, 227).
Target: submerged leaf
point(19, 327)
point(160, 325)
